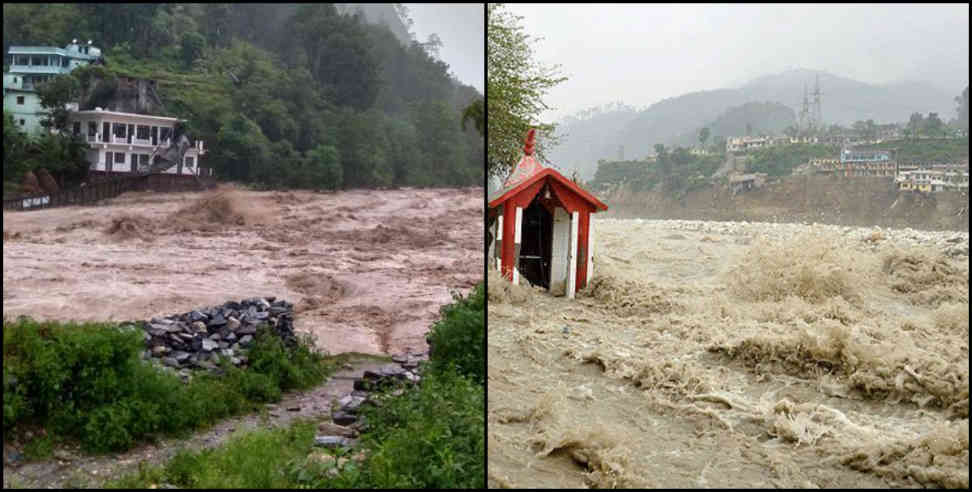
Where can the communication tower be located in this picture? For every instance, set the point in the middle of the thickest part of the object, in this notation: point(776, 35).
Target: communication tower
point(817, 114)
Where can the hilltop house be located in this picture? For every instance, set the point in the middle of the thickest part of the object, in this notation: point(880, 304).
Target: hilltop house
point(33, 65)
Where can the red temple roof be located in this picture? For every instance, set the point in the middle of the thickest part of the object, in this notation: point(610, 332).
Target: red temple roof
point(529, 171)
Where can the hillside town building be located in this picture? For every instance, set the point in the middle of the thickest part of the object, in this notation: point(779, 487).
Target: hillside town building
point(857, 163)
point(31, 66)
point(739, 183)
point(933, 180)
point(746, 144)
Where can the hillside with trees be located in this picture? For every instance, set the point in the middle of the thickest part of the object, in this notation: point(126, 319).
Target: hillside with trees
point(284, 95)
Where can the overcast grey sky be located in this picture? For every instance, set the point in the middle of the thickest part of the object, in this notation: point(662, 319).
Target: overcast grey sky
point(641, 54)
point(460, 27)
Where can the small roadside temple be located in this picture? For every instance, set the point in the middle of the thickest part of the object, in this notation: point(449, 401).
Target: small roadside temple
point(541, 224)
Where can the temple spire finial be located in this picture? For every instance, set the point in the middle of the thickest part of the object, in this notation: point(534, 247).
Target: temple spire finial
point(530, 141)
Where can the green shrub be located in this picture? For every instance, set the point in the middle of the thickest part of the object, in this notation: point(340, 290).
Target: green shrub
point(431, 437)
point(260, 459)
point(289, 368)
point(459, 338)
point(87, 381)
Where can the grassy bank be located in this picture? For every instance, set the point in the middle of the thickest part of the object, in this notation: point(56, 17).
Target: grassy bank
point(87, 382)
point(429, 437)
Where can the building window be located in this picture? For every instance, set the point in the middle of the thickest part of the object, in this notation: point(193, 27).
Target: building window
point(22, 123)
point(120, 157)
point(142, 132)
point(119, 130)
point(20, 100)
point(77, 127)
point(92, 128)
point(165, 133)
point(143, 159)
point(134, 161)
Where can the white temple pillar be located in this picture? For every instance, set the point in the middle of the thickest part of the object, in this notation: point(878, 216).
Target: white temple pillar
point(517, 234)
point(572, 276)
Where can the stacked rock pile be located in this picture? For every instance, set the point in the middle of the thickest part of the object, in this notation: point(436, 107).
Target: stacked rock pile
point(197, 339)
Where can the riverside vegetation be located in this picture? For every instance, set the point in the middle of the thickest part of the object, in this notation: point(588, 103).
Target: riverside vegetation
point(86, 382)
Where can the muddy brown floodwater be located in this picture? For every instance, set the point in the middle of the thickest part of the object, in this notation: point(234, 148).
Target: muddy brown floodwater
point(709, 354)
point(367, 270)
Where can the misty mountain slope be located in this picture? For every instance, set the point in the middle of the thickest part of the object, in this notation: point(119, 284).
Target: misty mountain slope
point(664, 121)
point(766, 117)
point(677, 120)
point(592, 133)
point(380, 13)
point(845, 101)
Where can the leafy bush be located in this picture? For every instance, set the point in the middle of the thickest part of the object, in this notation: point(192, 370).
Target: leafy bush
point(783, 159)
point(432, 437)
point(260, 459)
point(459, 338)
point(87, 381)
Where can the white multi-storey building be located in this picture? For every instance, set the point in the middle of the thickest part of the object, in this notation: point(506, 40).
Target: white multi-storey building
point(933, 180)
point(119, 143)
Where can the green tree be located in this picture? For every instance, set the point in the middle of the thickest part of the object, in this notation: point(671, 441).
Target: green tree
point(475, 113)
point(962, 101)
point(54, 95)
point(324, 167)
point(703, 136)
point(341, 58)
point(241, 150)
point(915, 123)
point(933, 124)
point(64, 156)
point(192, 47)
point(516, 85)
point(14, 149)
point(870, 129)
point(663, 160)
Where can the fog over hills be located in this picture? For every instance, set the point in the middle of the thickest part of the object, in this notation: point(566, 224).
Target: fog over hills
point(589, 135)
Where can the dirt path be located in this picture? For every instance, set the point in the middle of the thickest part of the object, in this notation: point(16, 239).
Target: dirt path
point(69, 468)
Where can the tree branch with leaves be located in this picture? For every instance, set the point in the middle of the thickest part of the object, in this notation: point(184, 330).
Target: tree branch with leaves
point(516, 84)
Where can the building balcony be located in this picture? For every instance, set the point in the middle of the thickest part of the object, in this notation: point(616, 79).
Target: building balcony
point(38, 69)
